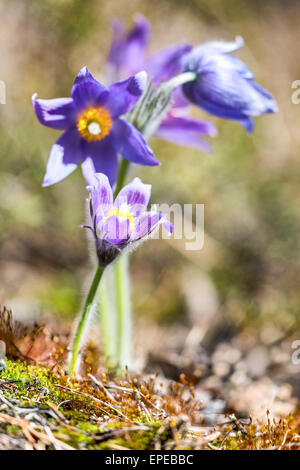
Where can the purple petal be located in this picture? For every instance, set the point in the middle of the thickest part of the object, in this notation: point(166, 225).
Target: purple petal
point(207, 61)
point(187, 132)
point(227, 94)
point(224, 85)
point(115, 230)
point(102, 195)
point(202, 54)
point(65, 156)
point(131, 144)
point(180, 102)
point(167, 225)
point(101, 157)
point(58, 113)
point(166, 63)
point(87, 91)
point(127, 50)
point(247, 123)
point(124, 95)
point(145, 224)
point(223, 47)
point(230, 62)
point(135, 194)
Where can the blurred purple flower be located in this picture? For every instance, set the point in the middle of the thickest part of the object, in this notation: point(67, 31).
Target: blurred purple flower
point(224, 86)
point(128, 55)
point(123, 222)
point(127, 52)
point(94, 132)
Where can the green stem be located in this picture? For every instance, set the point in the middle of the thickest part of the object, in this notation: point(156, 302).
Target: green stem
point(123, 170)
point(123, 297)
point(108, 320)
point(124, 312)
point(75, 353)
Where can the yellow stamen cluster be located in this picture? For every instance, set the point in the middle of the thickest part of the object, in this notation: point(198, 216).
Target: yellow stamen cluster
point(124, 212)
point(94, 124)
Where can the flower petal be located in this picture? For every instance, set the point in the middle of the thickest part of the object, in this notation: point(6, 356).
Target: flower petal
point(65, 156)
point(135, 194)
point(87, 91)
point(102, 195)
point(167, 62)
point(230, 62)
point(225, 86)
point(124, 95)
point(187, 132)
point(227, 94)
point(201, 54)
point(167, 225)
point(115, 230)
point(247, 123)
point(223, 47)
point(132, 145)
point(101, 157)
point(58, 113)
point(180, 101)
point(127, 50)
point(146, 223)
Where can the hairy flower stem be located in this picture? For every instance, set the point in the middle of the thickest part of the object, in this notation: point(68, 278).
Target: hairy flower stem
point(123, 293)
point(108, 316)
point(123, 171)
point(124, 328)
point(79, 337)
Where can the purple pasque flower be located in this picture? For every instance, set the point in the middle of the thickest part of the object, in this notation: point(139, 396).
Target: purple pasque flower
point(128, 49)
point(224, 86)
point(128, 54)
point(94, 132)
point(117, 224)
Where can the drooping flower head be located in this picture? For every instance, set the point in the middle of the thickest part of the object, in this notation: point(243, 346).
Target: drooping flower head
point(118, 224)
point(94, 132)
point(224, 86)
point(128, 54)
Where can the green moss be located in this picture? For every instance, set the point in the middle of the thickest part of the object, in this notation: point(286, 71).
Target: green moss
point(85, 416)
point(19, 371)
point(13, 429)
point(82, 420)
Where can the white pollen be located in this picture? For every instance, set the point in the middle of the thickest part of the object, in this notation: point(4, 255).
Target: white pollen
point(94, 128)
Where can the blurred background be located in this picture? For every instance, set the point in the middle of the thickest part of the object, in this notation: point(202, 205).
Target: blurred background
point(229, 312)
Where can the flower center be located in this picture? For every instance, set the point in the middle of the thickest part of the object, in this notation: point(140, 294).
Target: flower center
point(94, 124)
point(122, 211)
point(94, 128)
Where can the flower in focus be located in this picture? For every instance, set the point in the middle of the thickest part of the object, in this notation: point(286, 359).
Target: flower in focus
point(94, 132)
point(224, 86)
point(128, 55)
point(123, 222)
